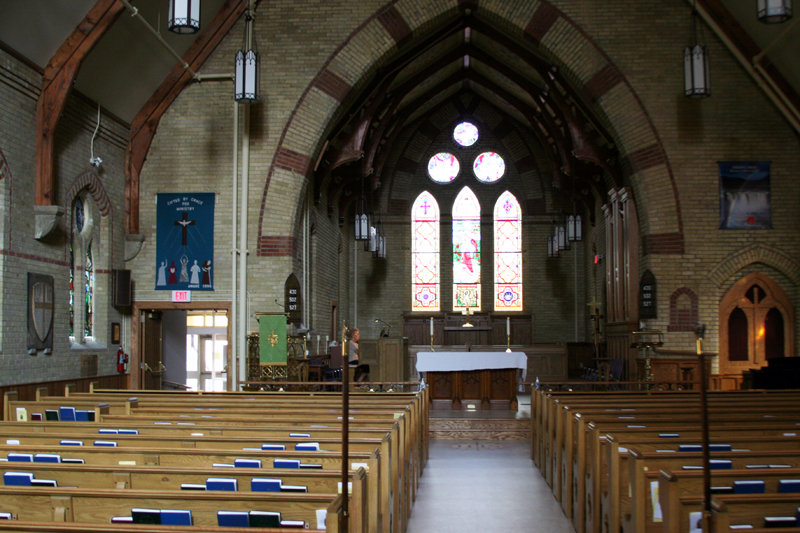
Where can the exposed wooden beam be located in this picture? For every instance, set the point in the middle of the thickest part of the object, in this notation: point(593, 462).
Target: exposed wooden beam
point(59, 75)
point(145, 123)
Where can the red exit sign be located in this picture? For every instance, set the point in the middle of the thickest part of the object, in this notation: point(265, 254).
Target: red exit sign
point(181, 296)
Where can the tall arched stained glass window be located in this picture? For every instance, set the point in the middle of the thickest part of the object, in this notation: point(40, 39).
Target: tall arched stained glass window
point(466, 251)
point(425, 253)
point(88, 294)
point(507, 254)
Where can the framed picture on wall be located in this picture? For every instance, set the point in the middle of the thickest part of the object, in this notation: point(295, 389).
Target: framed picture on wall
point(744, 195)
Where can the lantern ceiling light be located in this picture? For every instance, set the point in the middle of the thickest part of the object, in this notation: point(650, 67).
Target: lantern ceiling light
point(774, 11)
point(184, 16)
point(247, 65)
point(695, 65)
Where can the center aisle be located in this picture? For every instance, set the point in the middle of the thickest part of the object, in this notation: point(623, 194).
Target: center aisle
point(480, 486)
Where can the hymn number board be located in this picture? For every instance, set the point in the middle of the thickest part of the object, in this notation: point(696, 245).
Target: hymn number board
point(647, 296)
point(294, 302)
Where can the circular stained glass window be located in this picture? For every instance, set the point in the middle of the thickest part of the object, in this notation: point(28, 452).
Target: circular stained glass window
point(489, 167)
point(443, 167)
point(466, 134)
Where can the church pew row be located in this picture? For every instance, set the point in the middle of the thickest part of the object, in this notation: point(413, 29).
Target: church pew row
point(396, 484)
point(418, 401)
point(586, 460)
point(214, 415)
point(162, 479)
point(101, 506)
point(583, 477)
point(62, 442)
point(18, 526)
point(665, 490)
point(193, 458)
point(620, 403)
point(623, 489)
point(296, 416)
point(762, 511)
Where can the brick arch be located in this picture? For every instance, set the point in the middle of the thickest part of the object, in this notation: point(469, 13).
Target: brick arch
point(755, 253)
point(90, 181)
point(605, 86)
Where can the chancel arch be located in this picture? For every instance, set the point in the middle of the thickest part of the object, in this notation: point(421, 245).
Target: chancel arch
point(756, 324)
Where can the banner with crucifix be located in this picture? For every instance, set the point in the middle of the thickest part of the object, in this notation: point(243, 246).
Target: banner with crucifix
point(185, 241)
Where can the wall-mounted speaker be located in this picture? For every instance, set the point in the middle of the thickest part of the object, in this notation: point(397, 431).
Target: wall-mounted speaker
point(121, 288)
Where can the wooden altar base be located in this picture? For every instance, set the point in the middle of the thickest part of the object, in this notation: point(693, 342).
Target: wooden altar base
point(474, 389)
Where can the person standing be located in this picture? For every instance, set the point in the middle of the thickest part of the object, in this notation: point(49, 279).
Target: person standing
point(362, 371)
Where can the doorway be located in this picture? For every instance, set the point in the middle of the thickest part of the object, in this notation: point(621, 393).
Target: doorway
point(182, 347)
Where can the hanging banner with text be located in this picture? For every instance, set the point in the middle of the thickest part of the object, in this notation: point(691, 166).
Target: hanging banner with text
point(185, 241)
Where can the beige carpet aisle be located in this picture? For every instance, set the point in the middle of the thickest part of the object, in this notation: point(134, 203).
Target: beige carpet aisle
point(484, 486)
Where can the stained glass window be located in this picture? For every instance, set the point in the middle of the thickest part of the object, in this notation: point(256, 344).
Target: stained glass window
point(466, 251)
point(71, 291)
point(489, 167)
point(425, 253)
point(507, 254)
point(465, 134)
point(88, 293)
point(443, 167)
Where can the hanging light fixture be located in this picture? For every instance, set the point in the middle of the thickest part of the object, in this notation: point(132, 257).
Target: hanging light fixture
point(247, 65)
point(184, 16)
point(552, 246)
point(574, 231)
point(382, 247)
point(774, 11)
point(361, 223)
point(695, 65)
point(380, 241)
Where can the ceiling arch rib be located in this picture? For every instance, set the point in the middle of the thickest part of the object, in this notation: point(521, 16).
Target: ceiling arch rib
point(466, 54)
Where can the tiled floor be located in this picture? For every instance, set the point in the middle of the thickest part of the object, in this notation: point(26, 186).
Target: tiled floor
point(484, 486)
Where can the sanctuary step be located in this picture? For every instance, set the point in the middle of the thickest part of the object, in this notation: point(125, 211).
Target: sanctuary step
point(484, 428)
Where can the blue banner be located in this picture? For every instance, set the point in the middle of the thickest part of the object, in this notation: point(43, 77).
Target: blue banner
point(744, 195)
point(185, 241)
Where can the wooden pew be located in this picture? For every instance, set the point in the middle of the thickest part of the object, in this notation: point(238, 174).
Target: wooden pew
point(161, 478)
point(99, 506)
point(731, 509)
point(164, 457)
point(206, 443)
point(674, 485)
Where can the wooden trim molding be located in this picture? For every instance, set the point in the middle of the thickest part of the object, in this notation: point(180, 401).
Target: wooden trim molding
point(59, 75)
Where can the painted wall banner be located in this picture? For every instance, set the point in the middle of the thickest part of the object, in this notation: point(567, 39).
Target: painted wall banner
point(744, 197)
point(185, 241)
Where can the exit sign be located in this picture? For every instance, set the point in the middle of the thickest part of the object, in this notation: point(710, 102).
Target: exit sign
point(181, 296)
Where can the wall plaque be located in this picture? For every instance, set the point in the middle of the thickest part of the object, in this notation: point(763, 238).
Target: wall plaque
point(40, 312)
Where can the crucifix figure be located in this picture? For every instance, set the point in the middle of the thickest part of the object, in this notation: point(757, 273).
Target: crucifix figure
point(184, 223)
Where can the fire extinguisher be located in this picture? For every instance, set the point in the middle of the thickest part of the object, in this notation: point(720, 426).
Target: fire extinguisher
point(122, 360)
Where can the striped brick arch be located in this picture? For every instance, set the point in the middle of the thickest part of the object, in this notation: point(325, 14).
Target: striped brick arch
point(644, 160)
point(90, 181)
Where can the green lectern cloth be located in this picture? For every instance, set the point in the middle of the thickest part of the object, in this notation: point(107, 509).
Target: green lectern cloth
point(272, 339)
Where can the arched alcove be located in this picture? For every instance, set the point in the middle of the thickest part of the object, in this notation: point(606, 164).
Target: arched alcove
point(753, 317)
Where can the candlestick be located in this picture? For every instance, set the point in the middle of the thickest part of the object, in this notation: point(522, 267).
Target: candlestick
point(508, 325)
point(431, 326)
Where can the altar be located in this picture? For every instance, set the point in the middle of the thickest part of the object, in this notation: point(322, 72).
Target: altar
point(472, 380)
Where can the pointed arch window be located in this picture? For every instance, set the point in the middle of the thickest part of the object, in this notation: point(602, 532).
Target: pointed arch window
point(507, 254)
point(466, 251)
point(425, 253)
point(81, 271)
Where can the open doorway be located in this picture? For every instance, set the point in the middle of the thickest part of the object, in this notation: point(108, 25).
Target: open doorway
point(183, 347)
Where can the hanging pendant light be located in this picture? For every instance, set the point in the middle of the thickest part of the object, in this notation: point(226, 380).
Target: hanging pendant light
point(362, 222)
point(574, 232)
point(563, 242)
point(774, 11)
point(382, 247)
point(247, 65)
point(695, 65)
point(184, 16)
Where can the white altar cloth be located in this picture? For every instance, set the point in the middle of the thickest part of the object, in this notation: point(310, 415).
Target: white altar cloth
point(449, 361)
